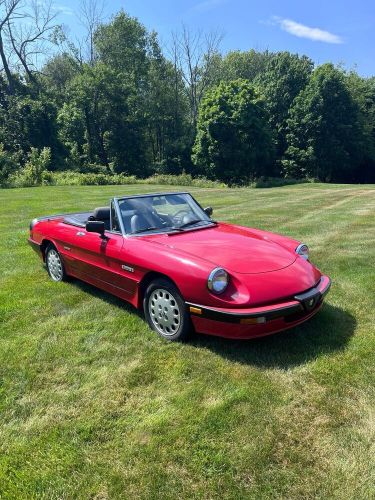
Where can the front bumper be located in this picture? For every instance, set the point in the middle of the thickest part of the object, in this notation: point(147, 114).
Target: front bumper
point(35, 246)
point(259, 321)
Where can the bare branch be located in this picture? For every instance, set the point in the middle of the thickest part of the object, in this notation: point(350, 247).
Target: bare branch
point(91, 15)
point(31, 38)
point(193, 54)
point(9, 9)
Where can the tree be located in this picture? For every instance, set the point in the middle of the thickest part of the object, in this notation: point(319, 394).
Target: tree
point(285, 75)
point(123, 45)
point(8, 11)
point(233, 142)
point(325, 136)
point(247, 65)
point(363, 93)
point(166, 110)
point(91, 17)
point(57, 74)
point(195, 54)
point(28, 119)
point(103, 104)
point(28, 31)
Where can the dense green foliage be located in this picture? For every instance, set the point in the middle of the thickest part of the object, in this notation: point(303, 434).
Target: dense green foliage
point(283, 79)
point(131, 109)
point(325, 139)
point(233, 141)
point(94, 405)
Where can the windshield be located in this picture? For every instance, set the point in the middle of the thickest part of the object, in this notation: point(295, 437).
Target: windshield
point(161, 213)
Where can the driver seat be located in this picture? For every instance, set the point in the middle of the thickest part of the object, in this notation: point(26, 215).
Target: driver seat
point(139, 221)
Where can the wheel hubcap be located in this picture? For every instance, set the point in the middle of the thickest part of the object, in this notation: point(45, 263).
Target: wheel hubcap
point(54, 265)
point(164, 312)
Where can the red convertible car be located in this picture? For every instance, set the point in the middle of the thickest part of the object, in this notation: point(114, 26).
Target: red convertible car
point(163, 252)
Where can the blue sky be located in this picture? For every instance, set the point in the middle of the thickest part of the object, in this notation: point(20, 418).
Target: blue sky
point(338, 31)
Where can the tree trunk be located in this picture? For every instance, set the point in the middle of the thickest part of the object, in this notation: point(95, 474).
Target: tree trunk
point(6, 68)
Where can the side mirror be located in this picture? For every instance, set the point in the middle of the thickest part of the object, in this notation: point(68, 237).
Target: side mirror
point(95, 226)
point(208, 211)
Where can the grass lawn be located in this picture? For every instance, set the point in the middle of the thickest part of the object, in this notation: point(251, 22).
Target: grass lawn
point(95, 405)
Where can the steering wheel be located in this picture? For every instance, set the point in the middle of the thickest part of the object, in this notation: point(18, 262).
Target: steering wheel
point(178, 216)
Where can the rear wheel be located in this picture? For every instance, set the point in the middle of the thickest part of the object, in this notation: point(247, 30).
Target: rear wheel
point(165, 310)
point(55, 266)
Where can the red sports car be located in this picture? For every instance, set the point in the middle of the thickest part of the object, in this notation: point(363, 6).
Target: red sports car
point(163, 252)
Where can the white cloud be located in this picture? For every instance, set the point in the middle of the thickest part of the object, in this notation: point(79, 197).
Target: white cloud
point(303, 31)
point(63, 9)
point(208, 5)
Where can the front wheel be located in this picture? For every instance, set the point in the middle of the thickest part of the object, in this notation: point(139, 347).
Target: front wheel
point(55, 266)
point(165, 310)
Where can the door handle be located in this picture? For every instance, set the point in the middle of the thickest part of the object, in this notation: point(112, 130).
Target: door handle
point(81, 233)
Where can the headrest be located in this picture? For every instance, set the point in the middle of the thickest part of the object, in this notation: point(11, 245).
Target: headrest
point(101, 213)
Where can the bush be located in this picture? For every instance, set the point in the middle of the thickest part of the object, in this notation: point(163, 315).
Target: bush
point(35, 172)
point(8, 165)
point(181, 180)
point(268, 182)
point(91, 179)
point(70, 178)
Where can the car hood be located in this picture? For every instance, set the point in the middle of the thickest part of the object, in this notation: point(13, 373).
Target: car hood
point(231, 247)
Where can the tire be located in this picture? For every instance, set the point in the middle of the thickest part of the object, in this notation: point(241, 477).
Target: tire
point(54, 264)
point(166, 312)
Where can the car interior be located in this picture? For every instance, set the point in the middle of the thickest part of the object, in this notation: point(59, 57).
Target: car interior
point(99, 214)
point(137, 218)
point(139, 214)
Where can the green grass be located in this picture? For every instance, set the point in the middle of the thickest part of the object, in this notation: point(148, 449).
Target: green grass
point(95, 405)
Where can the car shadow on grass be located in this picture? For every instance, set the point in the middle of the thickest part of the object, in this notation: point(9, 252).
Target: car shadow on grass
point(105, 296)
point(327, 332)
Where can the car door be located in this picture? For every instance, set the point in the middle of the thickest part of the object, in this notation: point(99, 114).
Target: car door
point(97, 260)
point(100, 262)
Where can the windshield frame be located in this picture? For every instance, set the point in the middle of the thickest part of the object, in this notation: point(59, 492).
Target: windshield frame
point(168, 230)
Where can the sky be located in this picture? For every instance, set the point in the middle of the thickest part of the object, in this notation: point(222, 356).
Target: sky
point(342, 32)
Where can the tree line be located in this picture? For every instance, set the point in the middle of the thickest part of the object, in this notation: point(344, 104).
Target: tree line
point(116, 102)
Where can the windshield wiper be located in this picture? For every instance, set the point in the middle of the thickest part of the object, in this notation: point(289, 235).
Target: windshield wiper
point(195, 221)
point(190, 223)
point(172, 228)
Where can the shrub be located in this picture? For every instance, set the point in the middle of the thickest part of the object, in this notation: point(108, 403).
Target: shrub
point(70, 178)
point(8, 165)
point(268, 182)
point(35, 172)
point(91, 179)
point(181, 180)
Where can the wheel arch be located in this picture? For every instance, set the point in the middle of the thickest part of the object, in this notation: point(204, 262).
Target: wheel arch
point(146, 280)
point(43, 247)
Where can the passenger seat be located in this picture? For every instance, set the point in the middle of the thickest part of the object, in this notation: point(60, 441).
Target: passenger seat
point(102, 214)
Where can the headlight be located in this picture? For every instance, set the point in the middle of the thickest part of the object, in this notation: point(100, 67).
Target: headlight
point(218, 280)
point(303, 251)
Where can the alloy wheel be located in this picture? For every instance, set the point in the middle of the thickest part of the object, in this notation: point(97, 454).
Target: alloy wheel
point(55, 265)
point(164, 312)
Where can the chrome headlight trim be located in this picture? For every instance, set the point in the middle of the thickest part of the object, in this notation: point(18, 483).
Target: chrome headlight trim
point(211, 280)
point(303, 251)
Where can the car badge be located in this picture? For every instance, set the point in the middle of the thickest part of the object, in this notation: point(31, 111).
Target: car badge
point(127, 268)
